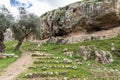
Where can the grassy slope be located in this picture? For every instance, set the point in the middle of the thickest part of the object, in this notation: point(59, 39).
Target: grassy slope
point(85, 69)
point(108, 71)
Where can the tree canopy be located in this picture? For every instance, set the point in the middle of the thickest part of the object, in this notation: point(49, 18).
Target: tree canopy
point(28, 23)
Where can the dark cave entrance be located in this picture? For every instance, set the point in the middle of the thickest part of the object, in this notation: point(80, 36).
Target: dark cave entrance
point(61, 33)
point(97, 29)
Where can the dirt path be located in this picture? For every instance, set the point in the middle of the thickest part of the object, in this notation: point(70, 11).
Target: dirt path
point(17, 67)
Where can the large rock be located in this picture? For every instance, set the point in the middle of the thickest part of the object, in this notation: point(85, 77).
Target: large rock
point(82, 17)
point(99, 55)
point(8, 35)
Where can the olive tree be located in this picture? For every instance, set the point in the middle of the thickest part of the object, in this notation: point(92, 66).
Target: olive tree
point(5, 22)
point(28, 23)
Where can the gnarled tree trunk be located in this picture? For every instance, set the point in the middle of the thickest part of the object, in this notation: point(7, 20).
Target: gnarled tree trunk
point(19, 44)
point(20, 41)
point(2, 46)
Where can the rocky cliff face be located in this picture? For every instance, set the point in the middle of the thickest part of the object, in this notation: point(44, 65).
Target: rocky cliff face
point(83, 17)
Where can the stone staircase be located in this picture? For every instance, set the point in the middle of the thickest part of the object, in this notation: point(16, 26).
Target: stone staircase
point(51, 67)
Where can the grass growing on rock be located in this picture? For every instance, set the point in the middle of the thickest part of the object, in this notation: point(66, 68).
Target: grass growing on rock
point(89, 70)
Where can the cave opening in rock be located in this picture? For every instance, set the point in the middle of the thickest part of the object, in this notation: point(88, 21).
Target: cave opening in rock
point(97, 29)
point(74, 10)
point(94, 29)
point(61, 33)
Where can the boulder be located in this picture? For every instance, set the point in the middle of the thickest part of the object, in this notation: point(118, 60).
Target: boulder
point(8, 35)
point(99, 55)
point(103, 56)
point(85, 51)
point(2, 56)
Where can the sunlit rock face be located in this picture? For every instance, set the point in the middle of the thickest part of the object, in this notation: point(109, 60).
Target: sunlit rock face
point(8, 35)
point(82, 17)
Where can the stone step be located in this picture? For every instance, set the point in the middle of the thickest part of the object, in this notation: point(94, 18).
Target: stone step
point(50, 67)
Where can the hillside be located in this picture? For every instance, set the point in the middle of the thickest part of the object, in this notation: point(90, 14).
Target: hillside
point(50, 63)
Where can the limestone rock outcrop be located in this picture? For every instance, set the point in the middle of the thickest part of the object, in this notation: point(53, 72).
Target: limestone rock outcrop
point(98, 55)
point(83, 17)
point(8, 35)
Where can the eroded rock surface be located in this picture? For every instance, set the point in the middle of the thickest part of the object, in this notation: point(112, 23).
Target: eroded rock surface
point(83, 17)
point(98, 55)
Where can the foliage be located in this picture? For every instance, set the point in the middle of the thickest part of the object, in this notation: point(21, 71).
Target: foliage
point(27, 24)
point(5, 18)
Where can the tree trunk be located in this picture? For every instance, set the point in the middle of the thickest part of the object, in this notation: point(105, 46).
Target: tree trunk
point(2, 46)
point(20, 41)
point(18, 45)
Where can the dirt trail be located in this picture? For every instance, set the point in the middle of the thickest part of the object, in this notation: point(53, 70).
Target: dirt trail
point(17, 67)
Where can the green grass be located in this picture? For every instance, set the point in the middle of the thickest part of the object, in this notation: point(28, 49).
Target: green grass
point(84, 70)
point(88, 70)
point(5, 62)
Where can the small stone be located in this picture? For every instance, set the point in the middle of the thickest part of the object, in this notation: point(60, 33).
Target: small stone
point(28, 74)
point(65, 49)
point(63, 66)
point(62, 73)
point(56, 73)
point(74, 76)
point(79, 63)
point(9, 55)
point(16, 56)
point(68, 67)
point(45, 49)
point(75, 67)
point(57, 62)
point(50, 73)
point(112, 70)
point(67, 61)
point(69, 53)
point(77, 60)
point(65, 78)
point(56, 57)
point(44, 68)
point(44, 74)
point(116, 70)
